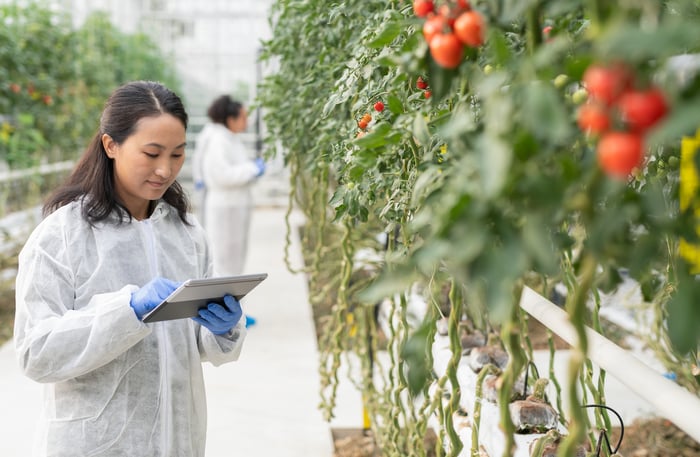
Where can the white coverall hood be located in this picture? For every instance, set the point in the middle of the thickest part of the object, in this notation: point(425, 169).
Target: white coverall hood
point(114, 386)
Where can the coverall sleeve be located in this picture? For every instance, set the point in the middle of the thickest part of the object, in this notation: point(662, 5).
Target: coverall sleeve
point(219, 349)
point(223, 167)
point(55, 342)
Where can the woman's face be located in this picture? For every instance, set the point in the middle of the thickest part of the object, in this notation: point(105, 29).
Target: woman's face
point(147, 162)
point(238, 124)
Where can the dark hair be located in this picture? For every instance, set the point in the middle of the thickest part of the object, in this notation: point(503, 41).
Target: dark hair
point(223, 107)
point(92, 179)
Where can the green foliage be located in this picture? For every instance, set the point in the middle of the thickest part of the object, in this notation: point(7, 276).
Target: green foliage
point(489, 182)
point(54, 79)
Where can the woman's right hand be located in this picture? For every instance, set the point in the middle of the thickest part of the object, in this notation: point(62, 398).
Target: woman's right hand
point(151, 295)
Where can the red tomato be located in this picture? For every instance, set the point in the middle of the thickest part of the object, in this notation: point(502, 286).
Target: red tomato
point(363, 123)
point(469, 28)
point(423, 7)
point(448, 13)
point(642, 109)
point(366, 117)
point(434, 25)
point(463, 4)
point(379, 106)
point(593, 118)
point(421, 84)
point(14, 87)
point(606, 83)
point(427, 94)
point(619, 153)
point(447, 50)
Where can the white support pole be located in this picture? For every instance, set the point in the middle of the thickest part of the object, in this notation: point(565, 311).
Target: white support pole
point(672, 401)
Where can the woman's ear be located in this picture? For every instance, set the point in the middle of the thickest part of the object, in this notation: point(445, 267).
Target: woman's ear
point(109, 145)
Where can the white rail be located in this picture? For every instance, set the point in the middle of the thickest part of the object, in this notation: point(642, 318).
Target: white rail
point(671, 401)
point(45, 169)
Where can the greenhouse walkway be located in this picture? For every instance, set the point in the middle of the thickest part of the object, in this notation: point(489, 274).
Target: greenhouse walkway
point(263, 405)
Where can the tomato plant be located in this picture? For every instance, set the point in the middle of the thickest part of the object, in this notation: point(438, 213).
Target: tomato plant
point(642, 109)
point(423, 7)
point(446, 50)
point(606, 83)
point(494, 182)
point(619, 153)
point(434, 25)
point(593, 117)
point(469, 28)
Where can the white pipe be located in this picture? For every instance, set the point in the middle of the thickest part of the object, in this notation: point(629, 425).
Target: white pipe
point(672, 401)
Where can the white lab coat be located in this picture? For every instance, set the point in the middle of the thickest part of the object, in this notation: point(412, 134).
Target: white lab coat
point(113, 385)
point(223, 164)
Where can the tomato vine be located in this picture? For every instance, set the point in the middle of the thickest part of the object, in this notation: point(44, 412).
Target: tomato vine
point(490, 183)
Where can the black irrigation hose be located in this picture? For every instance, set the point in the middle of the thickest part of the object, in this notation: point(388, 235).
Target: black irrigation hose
point(527, 369)
point(604, 434)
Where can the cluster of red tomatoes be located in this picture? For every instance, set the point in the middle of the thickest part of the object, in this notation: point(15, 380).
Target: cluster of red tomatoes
point(422, 84)
point(366, 118)
point(450, 29)
point(33, 93)
point(620, 114)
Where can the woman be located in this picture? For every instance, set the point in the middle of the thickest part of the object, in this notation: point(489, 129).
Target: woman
point(92, 269)
point(224, 169)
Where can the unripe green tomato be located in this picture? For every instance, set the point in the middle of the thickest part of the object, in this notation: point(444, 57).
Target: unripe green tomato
point(488, 69)
point(673, 162)
point(560, 81)
point(579, 96)
point(350, 185)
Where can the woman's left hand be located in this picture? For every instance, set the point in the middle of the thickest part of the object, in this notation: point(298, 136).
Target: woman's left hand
point(220, 319)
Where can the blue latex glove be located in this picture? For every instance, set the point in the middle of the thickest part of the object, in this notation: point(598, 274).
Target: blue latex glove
point(260, 163)
point(199, 185)
point(220, 319)
point(150, 295)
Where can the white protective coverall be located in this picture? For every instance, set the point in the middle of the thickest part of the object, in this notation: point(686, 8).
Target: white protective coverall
point(228, 174)
point(114, 386)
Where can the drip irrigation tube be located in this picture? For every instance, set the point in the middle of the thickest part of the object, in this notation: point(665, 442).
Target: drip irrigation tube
point(671, 401)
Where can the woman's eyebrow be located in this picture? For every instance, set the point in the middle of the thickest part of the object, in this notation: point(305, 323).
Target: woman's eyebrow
point(160, 146)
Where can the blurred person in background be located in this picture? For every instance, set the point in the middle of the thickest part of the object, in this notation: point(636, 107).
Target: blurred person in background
point(224, 171)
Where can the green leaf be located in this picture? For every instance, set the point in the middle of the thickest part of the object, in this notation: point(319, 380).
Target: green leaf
point(544, 114)
point(414, 353)
point(683, 120)
point(495, 157)
point(420, 129)
point(684, 316)
point(387, 34)
point(633, 43)
point(498, 47)
point(394, 104)
point(375, 137)
point(440, 79)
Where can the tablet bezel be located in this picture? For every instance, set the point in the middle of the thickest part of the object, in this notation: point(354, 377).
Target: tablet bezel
point(195, 294)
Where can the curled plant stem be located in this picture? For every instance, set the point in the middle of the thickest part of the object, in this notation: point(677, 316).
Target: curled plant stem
point(456, 349)
point(516, 361)
point(478, 399)
point(576, 306)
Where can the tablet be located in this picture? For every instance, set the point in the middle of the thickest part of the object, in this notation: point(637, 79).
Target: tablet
point(195, 294)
